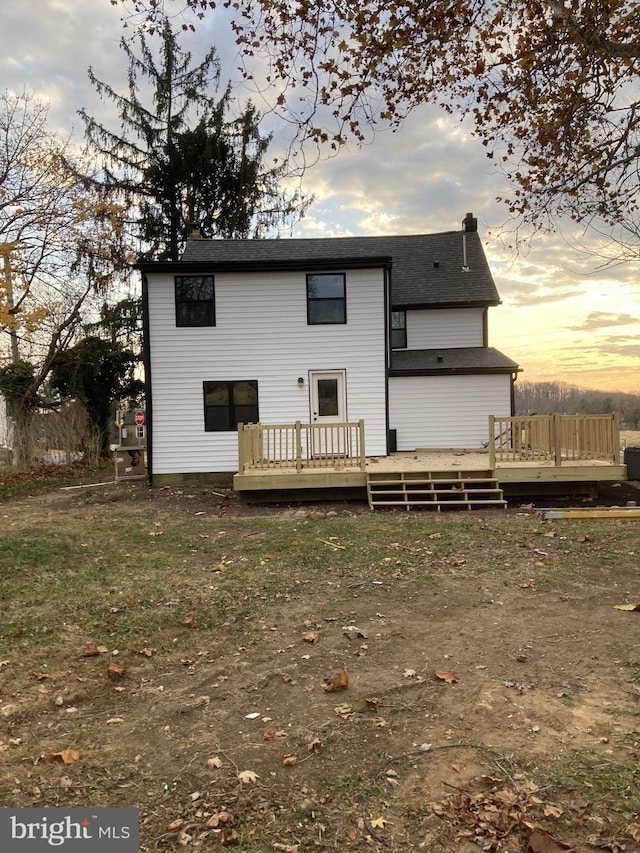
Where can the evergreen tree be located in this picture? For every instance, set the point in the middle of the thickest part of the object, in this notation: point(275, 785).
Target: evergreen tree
point(184, 158)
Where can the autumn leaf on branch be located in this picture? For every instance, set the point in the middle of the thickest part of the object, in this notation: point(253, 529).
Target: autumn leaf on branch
point(540, 84)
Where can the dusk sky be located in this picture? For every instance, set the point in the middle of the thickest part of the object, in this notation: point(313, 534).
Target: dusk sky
point(562, 317)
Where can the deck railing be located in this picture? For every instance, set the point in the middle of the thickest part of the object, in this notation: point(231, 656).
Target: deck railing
point(297, 446)
point(560, 439)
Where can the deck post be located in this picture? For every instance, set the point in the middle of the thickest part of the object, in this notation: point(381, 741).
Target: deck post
point(492, 442)
point(298, 446)
point(557, 441)
point(241, 460)
point(616, 438)
point(362, 450)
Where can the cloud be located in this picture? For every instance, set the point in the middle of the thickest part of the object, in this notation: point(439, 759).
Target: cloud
point(597, 320)
point(423, 178)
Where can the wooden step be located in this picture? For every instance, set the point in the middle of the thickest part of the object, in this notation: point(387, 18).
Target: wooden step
point(434, 490)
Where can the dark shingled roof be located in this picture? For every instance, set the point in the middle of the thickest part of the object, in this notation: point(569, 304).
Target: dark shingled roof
point(426, 269)
point(449, 361)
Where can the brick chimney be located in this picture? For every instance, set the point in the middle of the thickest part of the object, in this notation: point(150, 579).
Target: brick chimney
point(469, 223)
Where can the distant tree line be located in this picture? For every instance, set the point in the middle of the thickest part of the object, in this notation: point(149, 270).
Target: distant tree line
point(545, 398)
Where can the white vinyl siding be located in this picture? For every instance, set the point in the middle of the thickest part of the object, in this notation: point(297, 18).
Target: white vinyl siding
point(445, 328)
point(261, 334)
point(430, 412)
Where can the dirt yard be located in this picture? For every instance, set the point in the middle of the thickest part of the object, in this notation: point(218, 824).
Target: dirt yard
point(322, 678)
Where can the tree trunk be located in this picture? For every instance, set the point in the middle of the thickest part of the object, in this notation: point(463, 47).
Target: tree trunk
point(23, 438)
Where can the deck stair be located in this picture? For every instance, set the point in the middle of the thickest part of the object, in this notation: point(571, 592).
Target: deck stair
point(434, 489)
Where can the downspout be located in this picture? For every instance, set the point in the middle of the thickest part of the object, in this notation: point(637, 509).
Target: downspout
point(387, 347)
point(146, 361)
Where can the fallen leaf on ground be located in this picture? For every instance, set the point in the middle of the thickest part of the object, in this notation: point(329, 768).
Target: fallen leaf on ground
point(449, 677)
point(247, 777)
point(354, 633)
point(314, 745)
point(66, 756)
point(309, 637)
point(218, 818)
point(115, 670)
point(92, 649)
point(214, 762)
point(344, 711)
point(551, 810)
point(289, 760)
point(635, 606)
point(229, 837)
point(540, 842)
point(379, 822)
point(340, 682)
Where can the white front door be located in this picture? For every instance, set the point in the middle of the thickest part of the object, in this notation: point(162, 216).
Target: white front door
point(328, 398)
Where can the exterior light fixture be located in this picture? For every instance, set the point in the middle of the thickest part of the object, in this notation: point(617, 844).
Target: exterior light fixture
point(300, 382)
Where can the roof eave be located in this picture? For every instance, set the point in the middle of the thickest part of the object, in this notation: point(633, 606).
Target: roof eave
point(458, 303)
point(453, 371)
point(280, 265)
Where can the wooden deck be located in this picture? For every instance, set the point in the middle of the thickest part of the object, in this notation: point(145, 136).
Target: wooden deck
point(508, 471)
point(351, 475)
point(546, 454)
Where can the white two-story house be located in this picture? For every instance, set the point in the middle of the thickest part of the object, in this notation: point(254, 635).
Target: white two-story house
point(391, 331)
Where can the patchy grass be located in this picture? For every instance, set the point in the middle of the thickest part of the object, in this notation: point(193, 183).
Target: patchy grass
point(42, 478)
point(177, 642)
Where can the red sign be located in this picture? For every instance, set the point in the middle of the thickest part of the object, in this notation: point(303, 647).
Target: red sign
point(139, 418)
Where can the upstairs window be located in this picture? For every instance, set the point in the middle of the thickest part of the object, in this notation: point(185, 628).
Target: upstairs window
point(398, 330)
point(195, 300)
point(227, 404)
point(326, 299)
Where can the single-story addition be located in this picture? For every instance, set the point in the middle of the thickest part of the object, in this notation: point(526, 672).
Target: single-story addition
point(387, 332)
